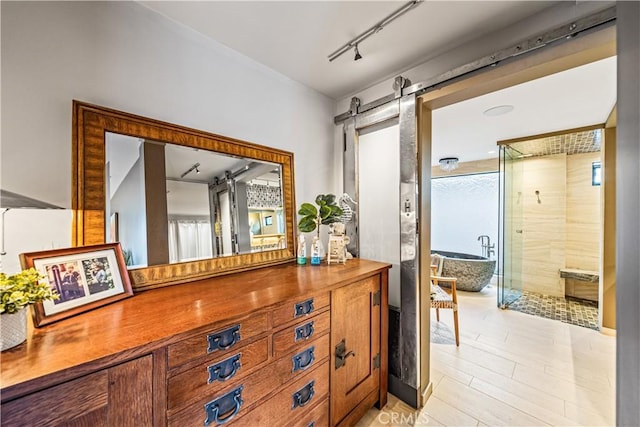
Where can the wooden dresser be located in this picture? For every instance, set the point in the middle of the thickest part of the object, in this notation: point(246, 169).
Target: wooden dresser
point(286, 345)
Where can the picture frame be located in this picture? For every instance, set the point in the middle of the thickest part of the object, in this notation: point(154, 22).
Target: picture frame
point(85, 277)
point(268, 220)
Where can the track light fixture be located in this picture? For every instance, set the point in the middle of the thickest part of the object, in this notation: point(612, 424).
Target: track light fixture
point(191, 169)
point(353, 43)
point(358, 56)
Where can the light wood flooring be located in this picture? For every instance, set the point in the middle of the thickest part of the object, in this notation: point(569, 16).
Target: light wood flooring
point(511, 369)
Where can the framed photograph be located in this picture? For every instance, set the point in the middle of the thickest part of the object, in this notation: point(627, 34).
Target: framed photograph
point(85, 278)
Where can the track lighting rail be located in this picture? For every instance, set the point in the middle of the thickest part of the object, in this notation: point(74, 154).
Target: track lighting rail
point(353, 43)
point(555, 35)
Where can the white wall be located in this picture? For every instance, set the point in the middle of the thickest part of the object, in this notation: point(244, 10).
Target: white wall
point(463, 208)
point(130, 205)
point(124, 56)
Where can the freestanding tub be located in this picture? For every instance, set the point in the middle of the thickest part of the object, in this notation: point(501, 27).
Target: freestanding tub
point(472, 271)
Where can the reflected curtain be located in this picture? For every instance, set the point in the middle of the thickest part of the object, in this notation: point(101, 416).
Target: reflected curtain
point(189, 239)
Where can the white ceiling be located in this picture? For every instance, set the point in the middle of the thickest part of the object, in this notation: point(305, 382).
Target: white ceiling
point(578, 97)
point(295, 37)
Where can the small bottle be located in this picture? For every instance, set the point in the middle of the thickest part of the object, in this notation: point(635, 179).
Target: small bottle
point(302, 250)
point(316, 251)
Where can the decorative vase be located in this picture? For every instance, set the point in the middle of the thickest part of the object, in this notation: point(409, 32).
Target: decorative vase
point(13, 329)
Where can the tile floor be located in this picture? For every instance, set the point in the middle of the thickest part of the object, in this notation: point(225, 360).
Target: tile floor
point(568, 310)
point(511, 369)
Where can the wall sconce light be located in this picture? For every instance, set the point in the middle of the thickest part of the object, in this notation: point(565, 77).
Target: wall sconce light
point(448, 164)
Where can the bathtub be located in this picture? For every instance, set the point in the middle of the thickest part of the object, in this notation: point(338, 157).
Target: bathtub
point(472, 271)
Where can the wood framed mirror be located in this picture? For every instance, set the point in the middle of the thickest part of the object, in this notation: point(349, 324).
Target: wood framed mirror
point(135, 180)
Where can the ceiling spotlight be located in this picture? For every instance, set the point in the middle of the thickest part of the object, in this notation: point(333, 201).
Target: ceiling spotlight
point(448, 164)
point(197, 170)
point(358, 56)
point(498, 111)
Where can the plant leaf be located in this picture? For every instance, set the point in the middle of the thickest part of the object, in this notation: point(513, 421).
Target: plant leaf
point(325, 211)
point(307, 209)
point(336, 210)
point(330, 199)
point(307, 224)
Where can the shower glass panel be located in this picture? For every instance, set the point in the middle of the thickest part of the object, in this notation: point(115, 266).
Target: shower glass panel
point(378, 153)
point(511, 227)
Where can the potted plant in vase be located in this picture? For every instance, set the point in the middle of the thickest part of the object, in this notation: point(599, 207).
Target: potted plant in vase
point(16, 292)
point(327, 212)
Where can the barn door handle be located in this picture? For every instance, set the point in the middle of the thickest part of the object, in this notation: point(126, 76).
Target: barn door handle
point(342, 354)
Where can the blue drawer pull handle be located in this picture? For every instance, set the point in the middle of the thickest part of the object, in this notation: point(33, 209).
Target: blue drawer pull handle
point(224, 370)
point(304, 332)
point(312, 424)
point(303, 396)
point(223, 409)
point(303, 308)
point(303, 360)
point(223, 340)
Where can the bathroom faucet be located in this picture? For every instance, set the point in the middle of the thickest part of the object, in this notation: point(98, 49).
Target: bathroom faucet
point(491, 251)
point(487, 248)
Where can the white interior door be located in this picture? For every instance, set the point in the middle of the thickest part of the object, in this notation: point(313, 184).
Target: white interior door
point(379, 199)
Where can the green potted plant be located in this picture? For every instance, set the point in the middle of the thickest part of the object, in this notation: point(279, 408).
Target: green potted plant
point(326, 213)
point(16, 292)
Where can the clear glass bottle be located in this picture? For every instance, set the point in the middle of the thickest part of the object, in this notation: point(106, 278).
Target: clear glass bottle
point(302, 250)
point(317, 251)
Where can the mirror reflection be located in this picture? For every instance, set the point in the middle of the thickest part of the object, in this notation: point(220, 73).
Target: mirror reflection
point(169, 203)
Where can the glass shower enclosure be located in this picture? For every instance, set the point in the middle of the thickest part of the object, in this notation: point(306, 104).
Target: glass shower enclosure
point(511, 230)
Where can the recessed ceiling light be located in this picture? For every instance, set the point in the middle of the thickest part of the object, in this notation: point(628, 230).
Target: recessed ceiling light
point(499, 110)
point(491, 152)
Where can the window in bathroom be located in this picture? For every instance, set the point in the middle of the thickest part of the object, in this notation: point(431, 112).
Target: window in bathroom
point(596, 173)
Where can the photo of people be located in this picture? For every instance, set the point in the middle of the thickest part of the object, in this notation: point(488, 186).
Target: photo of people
point(83, 277)
point(98, 274)
point(66, 280)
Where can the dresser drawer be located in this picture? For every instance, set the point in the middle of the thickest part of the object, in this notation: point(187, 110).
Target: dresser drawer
point(317, 417)
point(292, 401)
point(305, 358)
point(216, 374)
point(300, 309)
point(258, 385)
point(296, 336)
point(219, 341)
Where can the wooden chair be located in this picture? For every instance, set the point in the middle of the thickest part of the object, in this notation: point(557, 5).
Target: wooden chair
point(445, 296)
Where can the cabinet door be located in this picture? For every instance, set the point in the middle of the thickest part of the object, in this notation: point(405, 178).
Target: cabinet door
point(118, 396)
point(355, 319)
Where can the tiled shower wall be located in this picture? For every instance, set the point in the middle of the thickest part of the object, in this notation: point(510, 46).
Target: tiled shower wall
point(543, 224)
point(562, 228)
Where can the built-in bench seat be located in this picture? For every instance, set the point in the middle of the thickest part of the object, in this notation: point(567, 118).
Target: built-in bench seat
point(582, 275)
point(581, 284)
